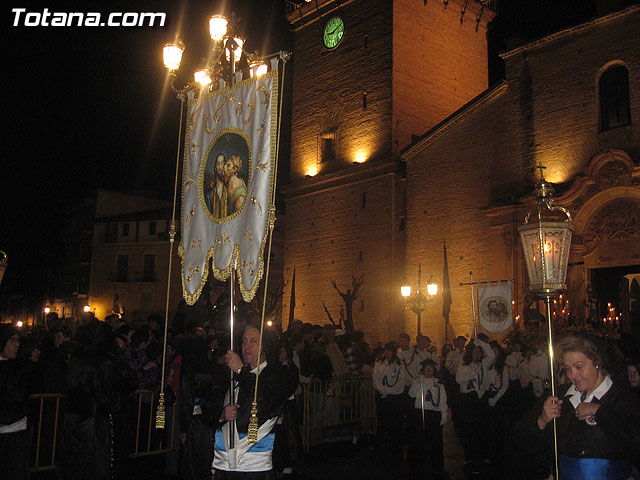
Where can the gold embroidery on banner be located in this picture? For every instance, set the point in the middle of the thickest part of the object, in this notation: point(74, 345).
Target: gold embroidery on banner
point(192, 122)
point(252, 108)
point(223, 240)
point(196, 243)
point(188, 182)
point(266, 100)
point(248, 237)
point(257, 204)
point(217, 116)
point(262, 166)
point(192, 212)
point(240, 107)
point(206, 126)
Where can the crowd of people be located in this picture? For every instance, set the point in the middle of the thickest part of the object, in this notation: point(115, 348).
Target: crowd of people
point(492, 393)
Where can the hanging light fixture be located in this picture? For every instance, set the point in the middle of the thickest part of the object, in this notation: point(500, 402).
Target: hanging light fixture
point(546, 241)
point(172, 55)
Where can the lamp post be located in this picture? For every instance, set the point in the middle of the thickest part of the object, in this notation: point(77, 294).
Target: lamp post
point(227, 48)
point(546, 242)
point(226, 51)
point(417, 301)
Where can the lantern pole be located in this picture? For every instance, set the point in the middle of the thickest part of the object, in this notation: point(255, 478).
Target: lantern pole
point(546, 249)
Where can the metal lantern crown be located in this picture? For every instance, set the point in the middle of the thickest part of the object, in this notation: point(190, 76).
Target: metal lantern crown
point(546, 243)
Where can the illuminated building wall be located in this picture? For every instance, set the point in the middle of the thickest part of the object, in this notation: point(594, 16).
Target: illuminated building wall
point(401, 67)
point(469, 179)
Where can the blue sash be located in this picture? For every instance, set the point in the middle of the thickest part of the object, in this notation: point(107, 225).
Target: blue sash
point(570, 468)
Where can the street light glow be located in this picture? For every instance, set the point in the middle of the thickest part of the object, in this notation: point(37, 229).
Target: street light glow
point(87, 308)
point(172, 55)
point(405, 290)
point(202, 77)
point(218, 27)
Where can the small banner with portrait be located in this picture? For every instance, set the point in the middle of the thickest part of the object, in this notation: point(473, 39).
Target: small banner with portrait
point(494, 303)
point(228, 181)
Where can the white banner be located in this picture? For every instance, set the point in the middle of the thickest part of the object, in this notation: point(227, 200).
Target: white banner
point(228, 180)
point(494, 302)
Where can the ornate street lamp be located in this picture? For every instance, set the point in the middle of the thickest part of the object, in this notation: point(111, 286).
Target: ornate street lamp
point(226, 50)
point(417, 302)
point(546, 242)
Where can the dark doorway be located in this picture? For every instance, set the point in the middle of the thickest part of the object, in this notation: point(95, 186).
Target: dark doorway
point(609, 285)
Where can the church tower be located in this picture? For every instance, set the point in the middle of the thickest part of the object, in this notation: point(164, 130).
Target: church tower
point(367, 76)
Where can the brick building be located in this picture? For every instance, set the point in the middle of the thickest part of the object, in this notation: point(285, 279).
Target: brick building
point(555, 107)
point(371, 193)
point(398, 69)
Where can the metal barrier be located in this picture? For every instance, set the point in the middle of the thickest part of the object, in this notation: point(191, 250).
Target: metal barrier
point(337, 410)
point(157, 441)
point(46, 413)
point(333, 410)
point(46, 437)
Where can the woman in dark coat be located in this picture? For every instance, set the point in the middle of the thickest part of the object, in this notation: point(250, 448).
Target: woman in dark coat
point(288, 443)
point(196, 387)
point(598, 421)
point(97, 385)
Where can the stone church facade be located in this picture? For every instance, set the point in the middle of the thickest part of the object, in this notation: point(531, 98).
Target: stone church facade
point(398, 146)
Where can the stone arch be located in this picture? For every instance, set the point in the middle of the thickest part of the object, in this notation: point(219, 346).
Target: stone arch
point(607, 225)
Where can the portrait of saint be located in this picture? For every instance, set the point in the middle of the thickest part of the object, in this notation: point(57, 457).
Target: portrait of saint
point(226, 171)
point(494, 309)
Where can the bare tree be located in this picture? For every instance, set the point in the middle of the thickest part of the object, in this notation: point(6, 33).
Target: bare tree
point(349, 296)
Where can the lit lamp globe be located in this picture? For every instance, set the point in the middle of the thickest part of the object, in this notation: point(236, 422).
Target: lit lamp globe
point(87, 308)
point(237, 51)
point(432, 287)
point(218, 27)
point(202, 77)
point(172, 55)
point(546, 242)
point(405, 290)
point(257, 69)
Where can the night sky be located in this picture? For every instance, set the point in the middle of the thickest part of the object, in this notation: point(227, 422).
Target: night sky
point(91, 107)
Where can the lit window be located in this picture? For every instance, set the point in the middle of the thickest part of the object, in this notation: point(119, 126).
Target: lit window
point(614, 98)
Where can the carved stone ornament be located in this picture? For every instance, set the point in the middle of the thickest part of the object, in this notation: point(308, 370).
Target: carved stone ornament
point(614, 174)
point(618, 220)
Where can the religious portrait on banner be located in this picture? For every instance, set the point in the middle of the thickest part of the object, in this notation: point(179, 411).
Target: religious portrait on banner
point(495, 307)
point(225, 176)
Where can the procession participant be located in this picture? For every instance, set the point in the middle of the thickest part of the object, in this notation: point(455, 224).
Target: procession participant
point(454, 357)
point(389, 379)
point(245, 460)
point(14, 399)
point(598, 421)
point(496, 384)
point(429, 414)
point(539, 368)
point(477, 359)
point(513, 397)
point(196, 386)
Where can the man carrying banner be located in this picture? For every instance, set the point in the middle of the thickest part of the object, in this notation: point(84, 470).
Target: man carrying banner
point(245, 460)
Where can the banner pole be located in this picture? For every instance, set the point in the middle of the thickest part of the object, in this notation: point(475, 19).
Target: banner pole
point(473, 305)
point(232, 395)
